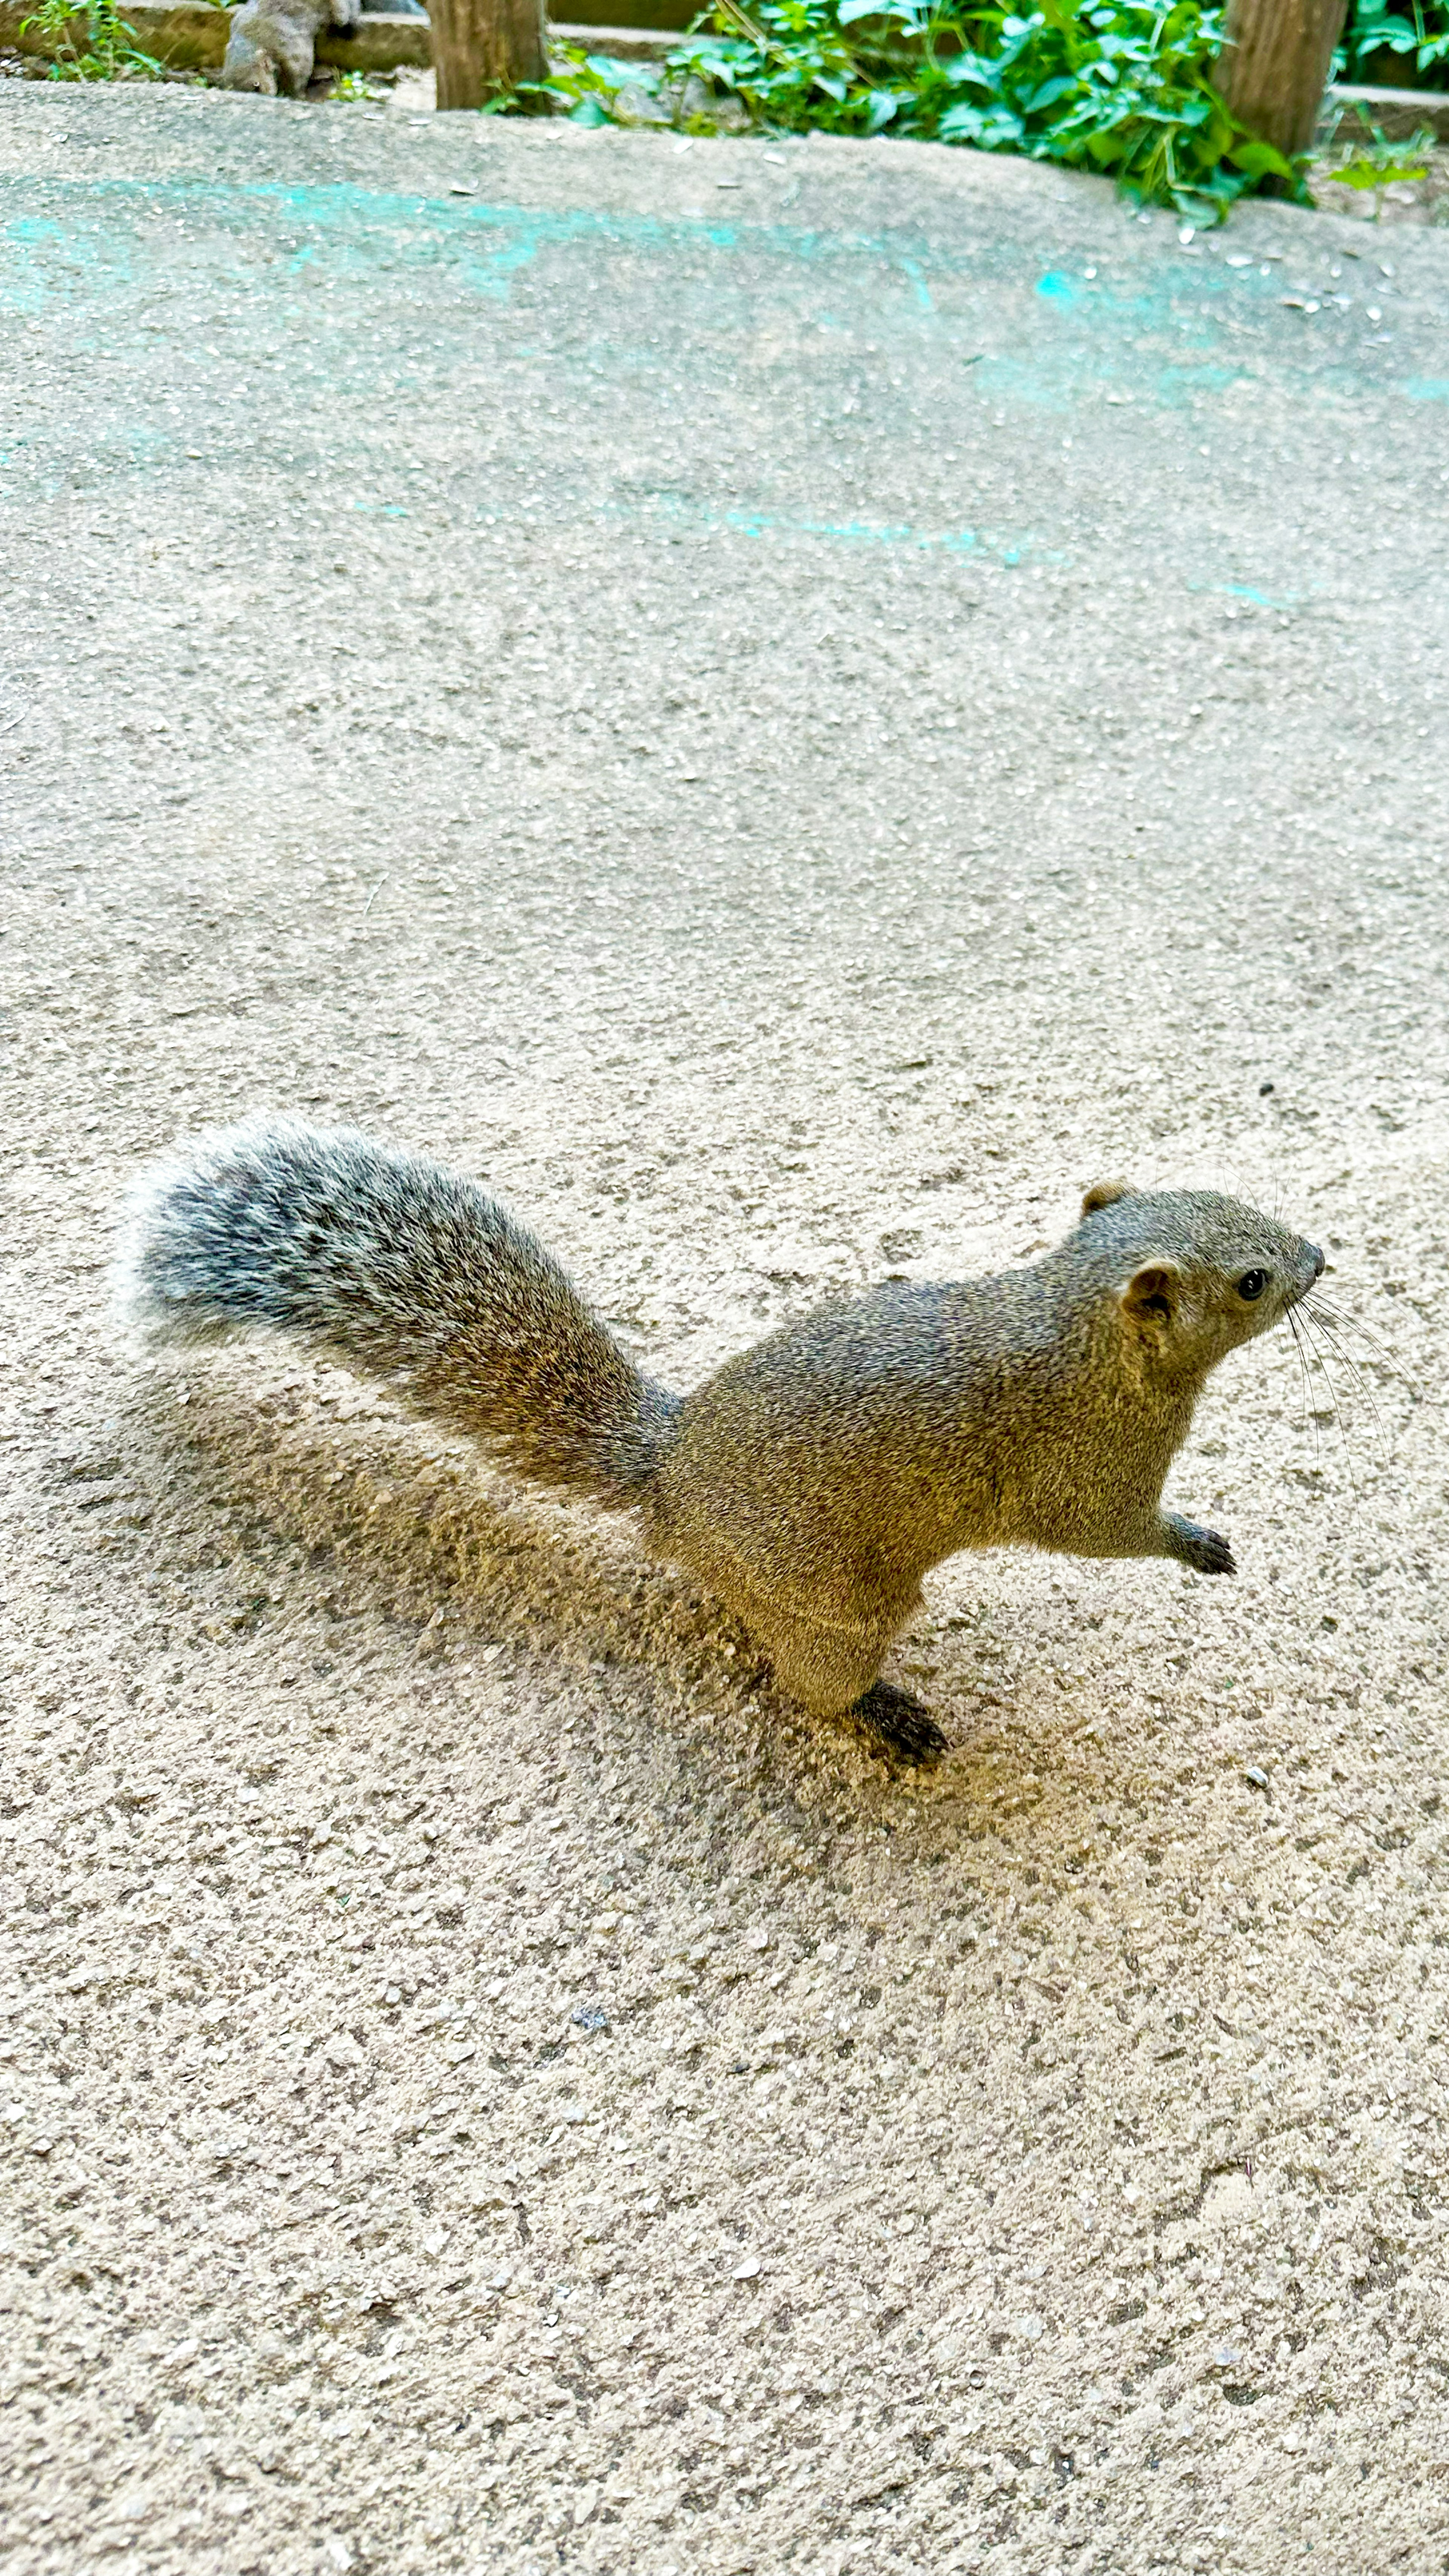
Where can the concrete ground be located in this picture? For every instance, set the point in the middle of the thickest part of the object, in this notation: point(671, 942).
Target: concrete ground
point(793, 706)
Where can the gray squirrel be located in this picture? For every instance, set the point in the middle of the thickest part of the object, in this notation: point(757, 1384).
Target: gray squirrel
point(814, 1479)
point(271, 44)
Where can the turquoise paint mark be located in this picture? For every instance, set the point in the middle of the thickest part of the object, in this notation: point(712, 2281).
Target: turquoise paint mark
point(1017, 380)
point(23, 290)
point(380, 509)
point(427, 231)
point(851, 532)
point(103, 259)
point(494, 280)
point(772, 524)
point(1245, 590)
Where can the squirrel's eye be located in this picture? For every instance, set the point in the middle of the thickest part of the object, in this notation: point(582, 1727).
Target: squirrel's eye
point(1252, 1284)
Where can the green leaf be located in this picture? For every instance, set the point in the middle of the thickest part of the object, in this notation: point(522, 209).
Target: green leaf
point(616, 75)
point(1258, 160)
point(1062, 87)
point(1377, 174)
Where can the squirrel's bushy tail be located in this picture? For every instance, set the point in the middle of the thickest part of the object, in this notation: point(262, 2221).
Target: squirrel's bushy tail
point(402, 1270)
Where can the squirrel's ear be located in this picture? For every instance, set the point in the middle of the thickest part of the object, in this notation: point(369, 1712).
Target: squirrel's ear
point(1103, 1195)
point(1151, 1295)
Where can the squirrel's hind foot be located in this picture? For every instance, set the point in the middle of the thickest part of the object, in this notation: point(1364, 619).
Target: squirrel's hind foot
point(1205, 1550)
point(898, 1723)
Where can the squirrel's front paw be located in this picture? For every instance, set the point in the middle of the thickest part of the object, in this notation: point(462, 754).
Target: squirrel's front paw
point(1204, 1549)
point(899, 1723)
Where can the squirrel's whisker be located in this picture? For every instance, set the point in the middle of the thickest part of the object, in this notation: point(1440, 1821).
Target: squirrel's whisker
point(1337, 1411)
point(1349, 1364)
point(1330, 1321)
point(1378, 1351)
point(1310, 1418)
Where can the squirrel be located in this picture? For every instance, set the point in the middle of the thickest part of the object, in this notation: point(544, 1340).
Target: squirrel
point(812, 1480)
point(271, 44)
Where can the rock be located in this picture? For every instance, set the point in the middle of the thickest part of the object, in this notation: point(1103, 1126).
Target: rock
point(636, 106)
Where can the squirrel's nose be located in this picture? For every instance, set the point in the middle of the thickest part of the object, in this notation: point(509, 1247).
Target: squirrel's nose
point(1316, 1257)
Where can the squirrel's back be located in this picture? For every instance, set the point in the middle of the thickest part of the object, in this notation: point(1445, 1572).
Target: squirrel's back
point(403, 1270)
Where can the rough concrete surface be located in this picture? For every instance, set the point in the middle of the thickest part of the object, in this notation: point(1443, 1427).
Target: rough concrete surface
point(791, 706)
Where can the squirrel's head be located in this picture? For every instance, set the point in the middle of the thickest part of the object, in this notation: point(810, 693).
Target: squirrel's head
point(1194, 1274)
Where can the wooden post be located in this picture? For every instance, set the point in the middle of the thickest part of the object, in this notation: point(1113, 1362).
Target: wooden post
point(1273, 68)
point(483, 46)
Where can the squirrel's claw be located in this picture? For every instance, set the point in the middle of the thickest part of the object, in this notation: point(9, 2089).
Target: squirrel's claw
point(900, 1724)
point(1204, 1549)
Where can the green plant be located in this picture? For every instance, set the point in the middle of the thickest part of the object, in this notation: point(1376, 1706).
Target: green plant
point(1123, 87)
point(1376, 27)
point(1378, 163)
point(354, 85)
point(111, 51)
point(1367, 171)
point(592, 87)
